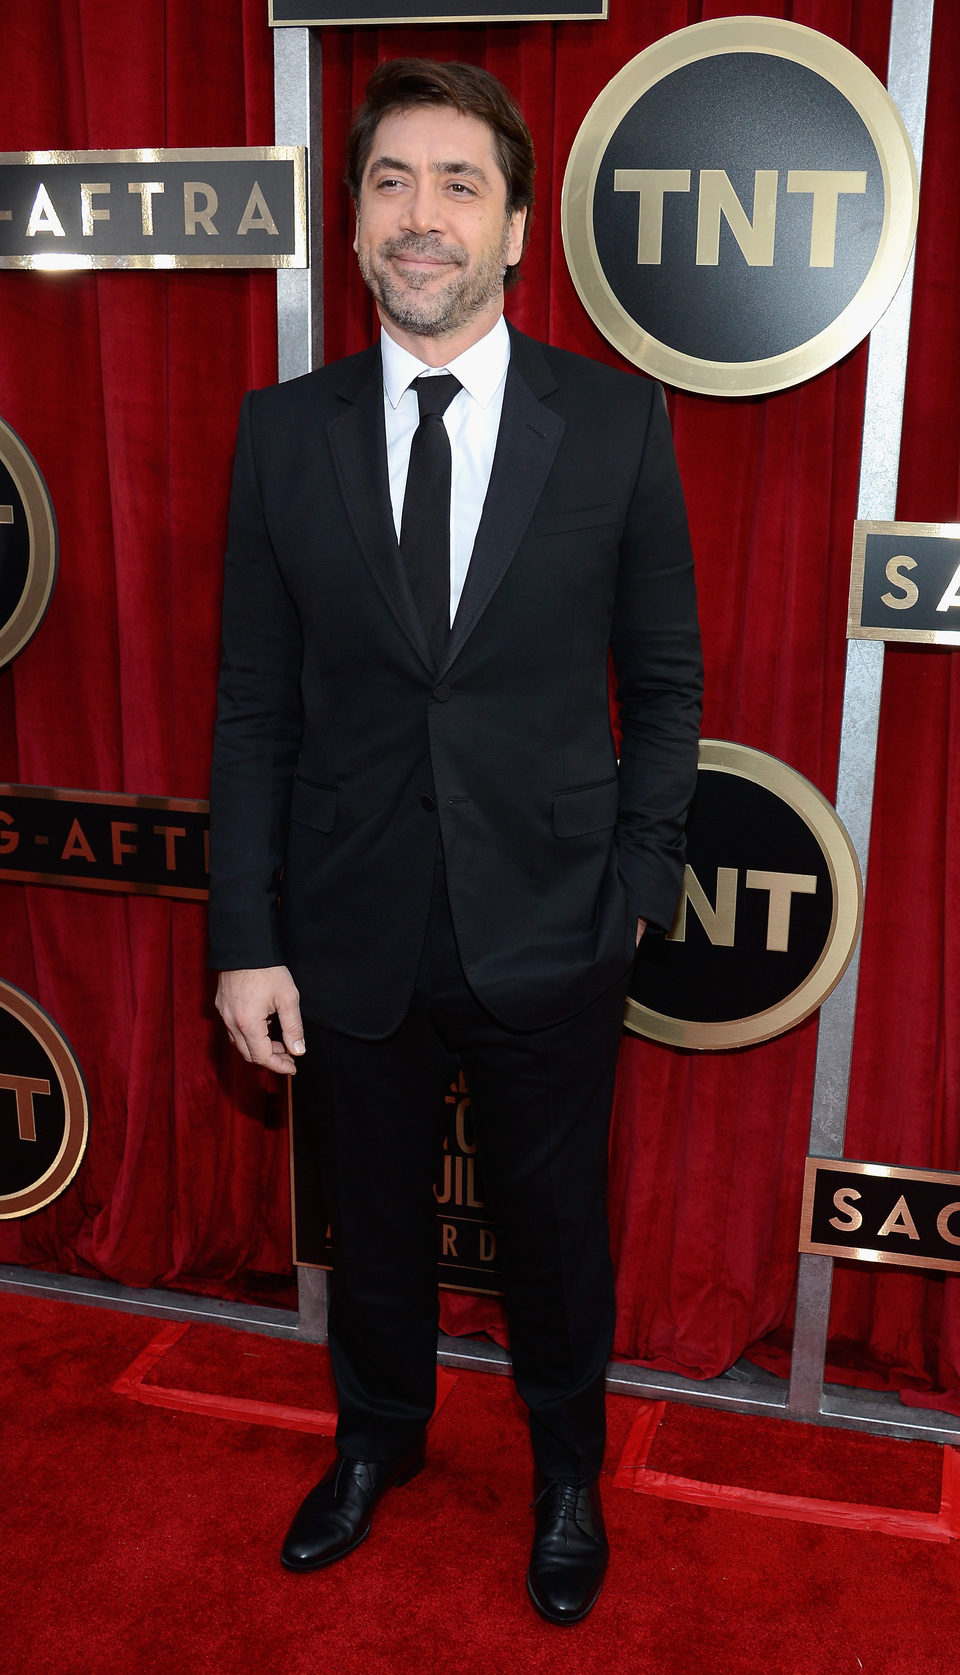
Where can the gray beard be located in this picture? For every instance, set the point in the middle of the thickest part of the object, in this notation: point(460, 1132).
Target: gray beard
point(461, 299)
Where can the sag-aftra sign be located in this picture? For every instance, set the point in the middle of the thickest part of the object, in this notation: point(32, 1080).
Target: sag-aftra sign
point(739, 206)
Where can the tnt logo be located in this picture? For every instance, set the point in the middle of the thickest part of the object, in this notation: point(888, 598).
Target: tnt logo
point(28, 545)
point(768, 915)
point(739, 205)
point(43, 1107)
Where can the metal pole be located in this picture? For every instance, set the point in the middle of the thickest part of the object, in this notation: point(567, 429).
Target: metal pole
point(911, 25)
point(297, 121)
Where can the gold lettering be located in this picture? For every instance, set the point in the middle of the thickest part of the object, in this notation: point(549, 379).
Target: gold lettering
point(719, 922)
point(473, 1201)
point(23, 1088)
point(825, 187)
point(783, 886)
point(952, 596)
point(170, 835)
point(256, 217)
point(8, 840)
point(76, 844)
point(488, 1245)
point(465, 1138)
point(117, 845)
point(146, 188)
point(193, 215)
point(718, 197)
point(442, 1194)
point(943, 1224)
point(899, 1221)
point(43, 216)
point(6, 514)
point(844, 1201)
point(893, 573)
point(651, 185)
point(88, 215)
point(449, 1240)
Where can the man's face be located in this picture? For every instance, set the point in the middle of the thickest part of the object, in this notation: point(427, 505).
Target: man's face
point(433, 233)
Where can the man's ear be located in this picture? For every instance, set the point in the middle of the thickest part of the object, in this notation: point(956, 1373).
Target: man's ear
point(518, 221)
point(356, 226)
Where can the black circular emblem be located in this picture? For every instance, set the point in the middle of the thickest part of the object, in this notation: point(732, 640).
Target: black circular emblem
point(769, 914)
point(28, 545)
point(43, 1107)
point(739, 205)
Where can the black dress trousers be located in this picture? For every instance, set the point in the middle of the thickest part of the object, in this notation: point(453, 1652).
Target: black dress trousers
point(540, 1105)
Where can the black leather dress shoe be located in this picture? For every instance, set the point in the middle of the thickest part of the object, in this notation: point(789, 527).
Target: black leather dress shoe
point(335, 1516)
point(570, 1550)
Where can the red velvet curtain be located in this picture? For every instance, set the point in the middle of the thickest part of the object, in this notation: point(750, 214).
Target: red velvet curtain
point(126, 386)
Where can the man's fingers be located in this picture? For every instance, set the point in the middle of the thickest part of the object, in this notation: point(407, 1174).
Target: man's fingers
point(247, 1001)
point(254, 1043)
point(291, 1027)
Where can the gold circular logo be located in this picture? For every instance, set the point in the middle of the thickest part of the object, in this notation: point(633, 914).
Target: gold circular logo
point(28, 545)
point(769, 913)
point(43, 1107)
point(739, 206)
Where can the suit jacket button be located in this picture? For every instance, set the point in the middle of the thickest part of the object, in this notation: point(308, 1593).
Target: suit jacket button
point(429, 804)
point(442, 693)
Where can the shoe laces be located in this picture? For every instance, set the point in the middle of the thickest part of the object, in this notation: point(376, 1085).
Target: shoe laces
point(567, 1497)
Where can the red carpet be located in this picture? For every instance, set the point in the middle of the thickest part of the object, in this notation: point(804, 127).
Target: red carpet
point(139, 1537)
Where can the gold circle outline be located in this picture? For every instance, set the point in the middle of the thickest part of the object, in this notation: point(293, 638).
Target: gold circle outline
point(822, 820)
point(29, 612)
point(76, 1109)
point(859, 86)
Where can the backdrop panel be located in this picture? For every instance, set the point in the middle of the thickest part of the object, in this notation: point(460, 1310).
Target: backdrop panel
point(126, 388)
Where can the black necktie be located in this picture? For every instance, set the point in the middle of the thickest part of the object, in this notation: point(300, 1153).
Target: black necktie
point(425, 523)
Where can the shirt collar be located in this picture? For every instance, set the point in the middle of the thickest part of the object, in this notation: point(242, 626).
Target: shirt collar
point(480, 368)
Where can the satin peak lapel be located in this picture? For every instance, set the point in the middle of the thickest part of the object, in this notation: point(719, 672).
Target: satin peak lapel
point(527, 445)
point(357, 440)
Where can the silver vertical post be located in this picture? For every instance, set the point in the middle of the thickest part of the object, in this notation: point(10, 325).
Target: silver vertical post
point(907, 74)
point(297, 121)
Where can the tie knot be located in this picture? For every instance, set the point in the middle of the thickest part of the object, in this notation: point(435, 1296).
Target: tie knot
point(435, 394)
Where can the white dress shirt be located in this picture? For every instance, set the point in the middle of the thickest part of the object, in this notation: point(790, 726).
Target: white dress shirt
point(472, 422)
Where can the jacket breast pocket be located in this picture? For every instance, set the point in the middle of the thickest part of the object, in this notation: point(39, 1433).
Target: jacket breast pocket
point(313, 805)
point(557, 522)
point(587, 808)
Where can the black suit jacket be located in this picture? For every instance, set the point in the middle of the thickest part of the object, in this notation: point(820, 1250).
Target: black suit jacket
point(342, 755)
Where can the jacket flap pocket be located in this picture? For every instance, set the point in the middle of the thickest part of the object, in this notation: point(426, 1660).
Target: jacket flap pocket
point(592, 808)
point(313, 805)
point(578, 517)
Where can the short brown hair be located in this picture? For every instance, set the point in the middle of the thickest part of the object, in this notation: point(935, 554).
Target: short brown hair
point(401, 83)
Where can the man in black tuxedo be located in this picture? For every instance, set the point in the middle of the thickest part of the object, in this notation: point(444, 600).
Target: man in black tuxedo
point(424, 848)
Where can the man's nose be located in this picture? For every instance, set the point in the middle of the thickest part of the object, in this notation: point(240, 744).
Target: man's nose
point(423, 211)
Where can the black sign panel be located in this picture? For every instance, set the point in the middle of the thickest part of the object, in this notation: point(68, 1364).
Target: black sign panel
point(28, 545)
point(768, 915)
point(905, 583)
point(219, 207)
point(442, 11)
point(739, 205)
point(466, 1239)
point(43, 1107)
point(156, 846)
point(872, 1212)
